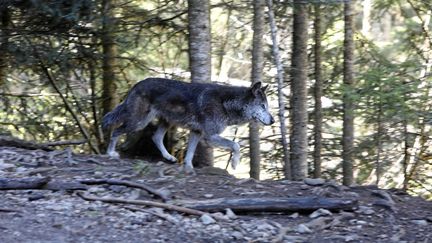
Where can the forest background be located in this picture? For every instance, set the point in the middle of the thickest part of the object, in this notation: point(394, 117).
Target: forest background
point(363, 106)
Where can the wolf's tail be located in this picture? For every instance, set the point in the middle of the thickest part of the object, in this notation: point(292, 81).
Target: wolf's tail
point(114, 118)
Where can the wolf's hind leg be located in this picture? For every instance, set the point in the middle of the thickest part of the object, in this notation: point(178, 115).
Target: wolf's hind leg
point(194, 138)
point(228, 144)
point(113, 142)
point(137, 125)
point(158, 140)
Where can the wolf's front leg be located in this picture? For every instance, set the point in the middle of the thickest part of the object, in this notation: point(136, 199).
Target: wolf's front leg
point(228, 144)
point(158, 140)
point(111, 147)
point(194, 138)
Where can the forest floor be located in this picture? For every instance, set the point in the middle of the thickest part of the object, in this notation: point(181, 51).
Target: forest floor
point(63, 216)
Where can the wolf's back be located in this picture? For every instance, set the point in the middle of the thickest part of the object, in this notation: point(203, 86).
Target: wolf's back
point(114, 117)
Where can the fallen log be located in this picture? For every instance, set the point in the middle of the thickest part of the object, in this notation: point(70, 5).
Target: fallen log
point(7, 141)
point(36, 183)
point(23, 183)
point(262, 205)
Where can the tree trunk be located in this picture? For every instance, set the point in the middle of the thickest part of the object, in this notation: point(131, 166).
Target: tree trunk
point(4, 40)
point(299, 115)
point(200, 61)
point(109, 48)
point(318, 94)
point(348, 103)
point(257, 73)
point(280, 81)
point(407, 154)
point(379, 135)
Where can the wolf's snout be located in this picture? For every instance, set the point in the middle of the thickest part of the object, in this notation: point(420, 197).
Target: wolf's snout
point(272, 120)
point(268, 120)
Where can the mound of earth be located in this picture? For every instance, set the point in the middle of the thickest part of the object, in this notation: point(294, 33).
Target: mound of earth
point(61, 215)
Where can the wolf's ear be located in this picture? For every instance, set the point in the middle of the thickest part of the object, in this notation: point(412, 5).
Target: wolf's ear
point(256, 88)
point(264, 88)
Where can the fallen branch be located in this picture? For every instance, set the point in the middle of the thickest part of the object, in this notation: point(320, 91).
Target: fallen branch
point(163, 194)
point(10, 210)
point(245, 205)
point(38, 171)
point(66, 142)
point(143, 203)
point(23, 183)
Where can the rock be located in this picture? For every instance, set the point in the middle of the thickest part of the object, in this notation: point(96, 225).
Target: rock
point(304, 187)
point(314, 181)
point(213, 227)
point(134, 194)
point(384, 204)
point(98, 174)
point(230, 214)
point(36, 196)
point(8, 167)
point(384, 195)
point(320, 212)
point(208, 195)
point(365, 210)
point(361, 222)
point(265, 227)
point(220, 216)
point(346, 216)
point(237, 235)
point(210, 170)
point(294, 238)
point(303, 229)
point(94, 189)
point(420, 222)
point(319, 223)
point(294, 216)
point(244, 181)
point(207, 219)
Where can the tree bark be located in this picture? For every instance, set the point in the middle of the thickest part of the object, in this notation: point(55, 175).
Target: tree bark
point(257, 73)
point(317, 95)
point(245, 205)
point(299, 115)
point(379, 135)
point(200, 61)
point(280, 84)
point(348, 103)
point(5, 18)
point(109, 48)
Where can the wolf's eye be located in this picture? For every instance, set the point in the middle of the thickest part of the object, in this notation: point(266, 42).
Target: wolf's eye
point(263, 106)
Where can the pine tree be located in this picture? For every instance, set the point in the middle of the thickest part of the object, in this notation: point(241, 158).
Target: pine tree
point(299, 115)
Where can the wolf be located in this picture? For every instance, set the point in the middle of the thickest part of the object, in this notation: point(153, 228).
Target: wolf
point(205, 109)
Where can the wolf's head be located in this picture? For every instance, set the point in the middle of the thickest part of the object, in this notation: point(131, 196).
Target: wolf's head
point(258, 108)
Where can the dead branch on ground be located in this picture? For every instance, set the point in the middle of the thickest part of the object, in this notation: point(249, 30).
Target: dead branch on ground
point(162, 194)
point(167, 206)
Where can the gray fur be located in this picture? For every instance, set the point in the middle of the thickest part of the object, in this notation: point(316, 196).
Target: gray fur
point(205, 109)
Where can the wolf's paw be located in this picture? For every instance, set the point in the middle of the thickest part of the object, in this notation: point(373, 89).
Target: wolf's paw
point(188, 169)
point(114, 154)
point(235, 160)
point(170, 158)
